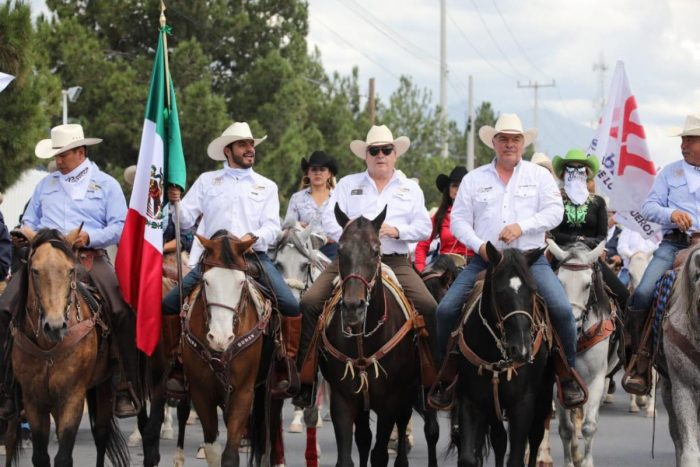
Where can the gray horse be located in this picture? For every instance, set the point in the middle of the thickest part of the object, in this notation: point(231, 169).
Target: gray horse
point(681, 346)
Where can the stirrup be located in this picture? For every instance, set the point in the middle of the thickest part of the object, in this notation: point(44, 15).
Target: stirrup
point(441, 396)
point(128, 389)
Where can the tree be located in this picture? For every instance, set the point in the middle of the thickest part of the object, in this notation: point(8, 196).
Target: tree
point(23, 121)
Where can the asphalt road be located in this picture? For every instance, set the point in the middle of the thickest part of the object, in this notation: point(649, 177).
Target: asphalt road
point(623, 439)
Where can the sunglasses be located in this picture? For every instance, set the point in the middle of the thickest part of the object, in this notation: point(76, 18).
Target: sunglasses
point(374, 150)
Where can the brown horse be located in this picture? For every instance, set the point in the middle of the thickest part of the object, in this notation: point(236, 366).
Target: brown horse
point(223, 344)
point(60, 355)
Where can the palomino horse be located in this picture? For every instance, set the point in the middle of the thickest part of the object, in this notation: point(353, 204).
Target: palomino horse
point(506, 366)
point(223, 344)
point(595, 317)
point(680, 387)
point(60, 355)
point(299, 260)
point(372, 358)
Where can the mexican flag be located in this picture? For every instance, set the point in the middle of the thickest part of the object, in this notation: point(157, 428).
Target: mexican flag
point(139, 262)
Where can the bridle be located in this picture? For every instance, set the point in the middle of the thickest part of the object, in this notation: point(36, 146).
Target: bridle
point(211, 263)
point(369, 286)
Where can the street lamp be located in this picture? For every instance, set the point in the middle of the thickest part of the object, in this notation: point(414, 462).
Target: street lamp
point(71, 94)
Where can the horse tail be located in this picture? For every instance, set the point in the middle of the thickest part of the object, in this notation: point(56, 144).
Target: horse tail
point(116, 448)
point(258, 426)
point(13, 439)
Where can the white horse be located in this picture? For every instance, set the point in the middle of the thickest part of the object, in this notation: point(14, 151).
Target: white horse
point(592, 311)
point(681, 346)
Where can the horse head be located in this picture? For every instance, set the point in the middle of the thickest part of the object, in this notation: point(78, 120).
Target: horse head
point(439, 275)
point(52, 278)
point(510, 290)
point(298, 259)
point(224, 285)
point(686, 295)
point(359, 266)
point(577, 274)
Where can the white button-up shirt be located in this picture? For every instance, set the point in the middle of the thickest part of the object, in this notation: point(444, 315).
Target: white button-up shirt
point(247, 203)
point(485, 205)
point(357, 195)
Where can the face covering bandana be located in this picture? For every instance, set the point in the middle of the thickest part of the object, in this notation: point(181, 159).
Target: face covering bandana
point(76, 182)
point(575, 184)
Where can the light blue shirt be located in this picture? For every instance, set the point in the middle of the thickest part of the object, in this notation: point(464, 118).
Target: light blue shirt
point(102, 211)
point(669, 193)
point(303, 208)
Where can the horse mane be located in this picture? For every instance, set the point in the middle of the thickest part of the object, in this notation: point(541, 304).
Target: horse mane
point(685, 292)
point(228, 256)
point(54, 237)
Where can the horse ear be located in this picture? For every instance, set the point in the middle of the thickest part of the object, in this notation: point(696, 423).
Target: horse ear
point(379, 220)
point(317, 240)
point(533, 255)
point(242, 247)
point(555, 250)
point(492, 253)
point(206, 243)
point(72, 236)
point(340, 216)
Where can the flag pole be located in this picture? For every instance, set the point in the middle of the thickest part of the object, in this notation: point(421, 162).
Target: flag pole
point(176, 204)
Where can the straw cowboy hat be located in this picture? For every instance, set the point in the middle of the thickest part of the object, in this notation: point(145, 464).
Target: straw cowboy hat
point(541, 158)
point(576, 155)
point(506, 123)
point(443, 181)
point(130, 174)
point(691, 127)
point(379, 136)
point(236, 132)
point(63, 138)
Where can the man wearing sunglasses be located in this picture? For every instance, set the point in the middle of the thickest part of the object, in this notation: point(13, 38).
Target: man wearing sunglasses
point(407, 220)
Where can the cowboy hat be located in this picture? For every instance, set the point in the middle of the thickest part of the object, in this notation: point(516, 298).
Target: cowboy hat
point(541, 158)
point(236, 132)
point(379, 136)
point(319, 159)
point(63, 138)
point(691, 127)
point(130, 174)
point(578, 156)
point(443, 181)
point(506, 123)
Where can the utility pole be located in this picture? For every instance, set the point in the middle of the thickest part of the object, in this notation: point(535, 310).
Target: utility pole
point(536, 86)
point(443, 76)
point(371, 103)
point(599, 101)
point(471, 122)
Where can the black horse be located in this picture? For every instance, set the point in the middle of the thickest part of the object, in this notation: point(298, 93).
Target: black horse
point(506, 368)
point(371, 356)
point(439, 276)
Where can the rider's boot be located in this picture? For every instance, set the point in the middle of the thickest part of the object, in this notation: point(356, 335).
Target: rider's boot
point(171, 332)
point(572, 389)
point(286, 381)
point(637, 377)
point(441, 396)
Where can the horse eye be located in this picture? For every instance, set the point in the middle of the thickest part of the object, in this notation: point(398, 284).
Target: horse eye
point(35, 271)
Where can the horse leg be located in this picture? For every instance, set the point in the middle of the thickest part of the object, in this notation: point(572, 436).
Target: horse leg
point(431, 430)
point(166, 431)
point(206, 410)
point(311, 454)
point(651, 401)
point(672, 420)
point(472, 431)
point(686, 411)
point(499, 441)
point(11, 438)
point(521, 416)
point(567, 433)
point(402, 422)
point(236, 418)
point(277, 429)
point(40, 425)
point(596, 393)
point(343, 414)
point(363, 436)
point(183, 413)
point(385, 423)
point(296, 426)
point(150, 431)
point(68, 418)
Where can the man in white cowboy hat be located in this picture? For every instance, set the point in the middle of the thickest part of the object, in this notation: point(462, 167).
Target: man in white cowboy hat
point(510, 203)
point(246, 204)
point(407, 220)
point(78, 192)
point(673, 203)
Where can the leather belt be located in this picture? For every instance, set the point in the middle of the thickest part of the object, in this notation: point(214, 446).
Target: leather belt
point(676, 236)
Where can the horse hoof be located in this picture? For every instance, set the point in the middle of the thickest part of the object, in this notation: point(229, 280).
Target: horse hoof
point(608, 399)
point(633, 409)
point(179, 459)
point(200, 452)
point(545, 464)
point(167, 433)
point(295, 427)
point(651, 413)
point(2, 450)
point(319, 422)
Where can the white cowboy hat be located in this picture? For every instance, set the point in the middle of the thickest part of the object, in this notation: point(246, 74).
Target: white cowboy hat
point(63, 138)
point(130, 174)
point(236, 132)
point(506, 123)
point(541, 158)
point(691, 127)
point(379, 135)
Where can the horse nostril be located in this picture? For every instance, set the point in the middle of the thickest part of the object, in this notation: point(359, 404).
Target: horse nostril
point(64, 326)
point(230, 338)
point(47, 328)
point(210, 337)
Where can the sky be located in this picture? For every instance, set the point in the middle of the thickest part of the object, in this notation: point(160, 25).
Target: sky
point(505, 42)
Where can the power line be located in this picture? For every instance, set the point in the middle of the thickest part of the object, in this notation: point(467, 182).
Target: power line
point(488, 31)
point(517, 43)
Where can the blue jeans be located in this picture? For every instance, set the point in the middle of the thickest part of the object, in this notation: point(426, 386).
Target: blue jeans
point(624, 276)
point(549, 287)
point(661, 262)
point(288, 305)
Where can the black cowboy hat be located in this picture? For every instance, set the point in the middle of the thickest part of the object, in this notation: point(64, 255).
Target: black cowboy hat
point(319, 159)
point(443, 181)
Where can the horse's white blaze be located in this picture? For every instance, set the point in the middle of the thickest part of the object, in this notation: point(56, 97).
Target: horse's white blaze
point(515, 283)
point(222, 286)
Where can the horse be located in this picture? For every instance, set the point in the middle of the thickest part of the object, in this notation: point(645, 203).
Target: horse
point(680, 382)
point(372, 361)
point(595, 323)
point(439, 275)
point(223, 348)
point(503, 338)
point(60, 355)
point(297, 256)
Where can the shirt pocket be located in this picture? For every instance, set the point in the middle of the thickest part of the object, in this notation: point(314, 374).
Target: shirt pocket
point(485, 198)
point(94, 203)
point(526, 192)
